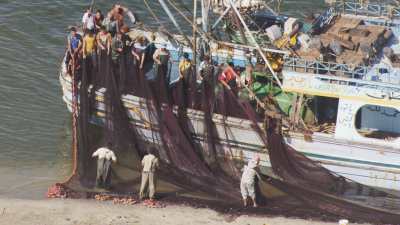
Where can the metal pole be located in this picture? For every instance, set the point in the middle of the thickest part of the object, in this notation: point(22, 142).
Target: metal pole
point(172, 18)
point(256, 44)
point(221, 17)
point(194, 34)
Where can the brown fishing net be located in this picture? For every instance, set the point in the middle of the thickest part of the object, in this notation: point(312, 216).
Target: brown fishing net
point(177, 122)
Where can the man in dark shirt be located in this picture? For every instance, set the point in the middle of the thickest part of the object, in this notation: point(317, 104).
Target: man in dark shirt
point(73, 47)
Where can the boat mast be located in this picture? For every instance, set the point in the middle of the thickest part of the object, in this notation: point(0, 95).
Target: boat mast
point(172, 18)
point(255, 43)
point(194, 45)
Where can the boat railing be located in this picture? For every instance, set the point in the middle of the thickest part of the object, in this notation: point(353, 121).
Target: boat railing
point(337, 73)
point(325, 68)
point(368, 9)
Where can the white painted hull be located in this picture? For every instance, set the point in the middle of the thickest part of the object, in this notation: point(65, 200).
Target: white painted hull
point(373, 165)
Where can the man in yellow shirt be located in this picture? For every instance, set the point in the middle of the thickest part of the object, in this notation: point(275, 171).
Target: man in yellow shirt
point(184, 66)
point(89, 47)
point(186, 77)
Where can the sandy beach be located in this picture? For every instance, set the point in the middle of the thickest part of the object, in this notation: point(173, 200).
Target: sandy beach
point(91, 212)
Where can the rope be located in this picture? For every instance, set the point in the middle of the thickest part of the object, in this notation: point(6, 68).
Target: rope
point(74, 116)
point(152, 12)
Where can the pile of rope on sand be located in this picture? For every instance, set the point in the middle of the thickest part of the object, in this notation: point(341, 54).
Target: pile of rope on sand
point(127, 200)
point(59, 190)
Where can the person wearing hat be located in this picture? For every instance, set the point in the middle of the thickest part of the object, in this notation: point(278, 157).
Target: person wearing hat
point(247, 181)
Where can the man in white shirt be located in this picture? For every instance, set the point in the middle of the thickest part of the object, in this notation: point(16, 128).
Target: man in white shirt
point(150, 165)
point(88, 23)
point(248, 181)
point(105, 157)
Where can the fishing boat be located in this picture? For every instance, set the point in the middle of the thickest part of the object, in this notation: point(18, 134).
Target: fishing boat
point(352, 105)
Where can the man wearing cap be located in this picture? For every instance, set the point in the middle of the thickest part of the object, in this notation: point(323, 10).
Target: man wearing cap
point(105, 157)
point(248, 180)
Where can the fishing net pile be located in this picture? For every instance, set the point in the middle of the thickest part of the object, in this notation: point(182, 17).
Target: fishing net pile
point(161, 123)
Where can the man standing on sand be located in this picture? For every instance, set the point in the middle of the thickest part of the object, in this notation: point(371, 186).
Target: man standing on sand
point(105, 157)
point(248, 181)
point(150, 165)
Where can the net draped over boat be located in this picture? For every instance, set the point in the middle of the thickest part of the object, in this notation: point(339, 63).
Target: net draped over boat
point(193, 162)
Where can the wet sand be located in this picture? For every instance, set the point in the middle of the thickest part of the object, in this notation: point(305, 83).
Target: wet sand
point(90, 212)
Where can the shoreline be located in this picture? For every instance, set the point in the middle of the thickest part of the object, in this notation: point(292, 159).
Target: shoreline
point(86, 212)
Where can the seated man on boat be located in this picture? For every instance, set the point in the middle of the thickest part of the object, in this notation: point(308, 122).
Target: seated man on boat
point(105, 157)
point(74, 46)
point(118, 13)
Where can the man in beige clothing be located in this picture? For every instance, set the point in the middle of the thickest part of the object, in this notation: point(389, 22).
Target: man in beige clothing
point(150, 165)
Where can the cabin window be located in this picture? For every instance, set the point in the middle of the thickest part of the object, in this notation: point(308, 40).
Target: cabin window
point(383, 70)
point(378, 122)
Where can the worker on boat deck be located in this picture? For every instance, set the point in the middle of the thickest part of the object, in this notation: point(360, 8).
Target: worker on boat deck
point(89, 48)
point(117, 47)
point(74, 41)
point(104, 40)
point(150, 50)
point(138, 51)
point(118, 13)
point(185, 66)
point(126, 39)
point(148, 185)
point(246, 77)
point(228, 77)
point(98, 19)
point(206, 69)
point(161, 57)
point(248, 181)
point(105, 157)
point(185, 69)
point(88, 23)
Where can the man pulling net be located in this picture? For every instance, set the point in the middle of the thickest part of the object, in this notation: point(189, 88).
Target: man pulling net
point(105, 157)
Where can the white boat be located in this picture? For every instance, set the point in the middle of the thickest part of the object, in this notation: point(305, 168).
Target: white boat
point(368, 103)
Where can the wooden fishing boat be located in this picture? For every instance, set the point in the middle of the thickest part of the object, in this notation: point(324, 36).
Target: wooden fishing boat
point(359, 103)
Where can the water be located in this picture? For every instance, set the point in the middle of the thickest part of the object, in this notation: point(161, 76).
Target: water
point(35, 125)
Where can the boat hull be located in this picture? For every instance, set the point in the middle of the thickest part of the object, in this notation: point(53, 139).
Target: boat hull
point(364, 163)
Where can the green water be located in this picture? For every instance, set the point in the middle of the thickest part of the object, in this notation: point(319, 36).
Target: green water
point(35, 125)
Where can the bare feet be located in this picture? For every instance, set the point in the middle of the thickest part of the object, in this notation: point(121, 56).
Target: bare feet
point(245, 202)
